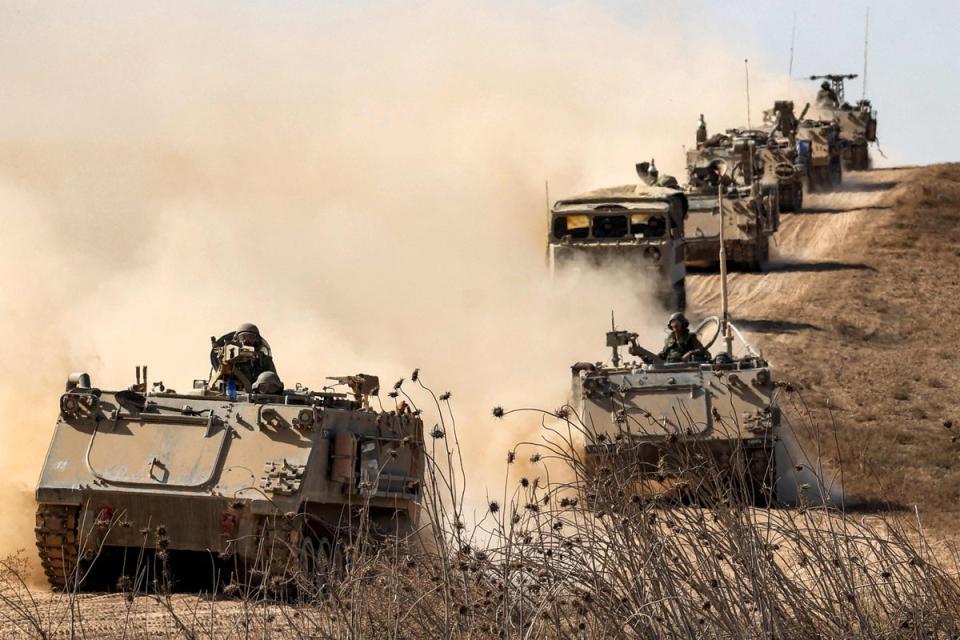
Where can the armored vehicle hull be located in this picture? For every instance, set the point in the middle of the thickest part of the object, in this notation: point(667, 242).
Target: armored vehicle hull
point(856, 123)
point(265, 482)
point(858, 128)
point(820, 153)
point(703, 430)
point(749, 223)
point(751, 200)
point(637, 230)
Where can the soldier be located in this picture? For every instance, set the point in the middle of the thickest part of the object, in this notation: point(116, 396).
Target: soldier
point(248, 335)
point(682, 345)
point(701, 132)
point(268, 383)
point(827, 97)
point(650, 176)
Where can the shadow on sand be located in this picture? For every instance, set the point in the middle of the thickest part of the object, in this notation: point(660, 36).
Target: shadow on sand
point(776, 326)
point(833, 210)
point(812, 267)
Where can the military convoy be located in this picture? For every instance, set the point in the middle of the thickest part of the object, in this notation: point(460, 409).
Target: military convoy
point(636, 227)
point(701, 429)
point(268, 484)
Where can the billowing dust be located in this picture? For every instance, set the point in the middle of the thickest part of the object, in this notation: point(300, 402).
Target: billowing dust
point(366, 186)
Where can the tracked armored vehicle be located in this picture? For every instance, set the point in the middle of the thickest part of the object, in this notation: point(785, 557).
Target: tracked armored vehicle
point(701, 430)
point(730, 165)
point(820, 154)
point(636, 228)
point(258, 484)
point(778, 148)
point(857, 122)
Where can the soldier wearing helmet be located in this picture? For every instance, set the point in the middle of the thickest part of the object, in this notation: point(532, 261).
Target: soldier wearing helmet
point(827, 97)
point(248, 336)
point(268, 383)
point(682, 345)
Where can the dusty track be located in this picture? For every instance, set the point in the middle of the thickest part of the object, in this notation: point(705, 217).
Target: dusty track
point(859, 311)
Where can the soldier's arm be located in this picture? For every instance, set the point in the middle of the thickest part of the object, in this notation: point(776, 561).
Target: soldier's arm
point(696, 348)
point(268, 364)
point(666, 349)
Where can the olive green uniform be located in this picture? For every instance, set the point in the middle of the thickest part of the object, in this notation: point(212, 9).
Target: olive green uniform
point(676, 347)
point(253, 368)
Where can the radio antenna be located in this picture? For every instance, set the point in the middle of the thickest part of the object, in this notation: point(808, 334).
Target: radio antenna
point(793, 40)
point(746, 68)
point(546, 198)
point(866, 43)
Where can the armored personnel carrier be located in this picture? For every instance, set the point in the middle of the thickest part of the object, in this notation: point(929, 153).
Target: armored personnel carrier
point(857, 122)
point(778, 149)
point(698, 429)
point(820, 152)
point(726, 188)
point(637, 227)
point(264, 483)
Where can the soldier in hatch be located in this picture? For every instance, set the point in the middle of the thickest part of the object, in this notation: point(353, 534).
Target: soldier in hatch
point(681, 344)
point(827, 97)
point(650, 176)
point(248, 335)
point(268, 383)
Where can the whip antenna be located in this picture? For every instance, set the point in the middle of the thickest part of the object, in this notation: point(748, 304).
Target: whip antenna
point(866, 42)
point(793, 39)
point(746, 68)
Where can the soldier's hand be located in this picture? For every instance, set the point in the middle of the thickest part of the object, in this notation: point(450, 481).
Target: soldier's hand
point(686, 356)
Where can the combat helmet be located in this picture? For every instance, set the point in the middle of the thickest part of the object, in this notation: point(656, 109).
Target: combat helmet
point(678, 317)
point(268, 382)
point(248, 327)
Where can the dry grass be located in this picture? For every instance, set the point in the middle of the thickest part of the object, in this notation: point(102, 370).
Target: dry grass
point(567, 551)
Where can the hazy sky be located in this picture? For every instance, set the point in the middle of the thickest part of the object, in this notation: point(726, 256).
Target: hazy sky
point(913, 73)
point(913, 76)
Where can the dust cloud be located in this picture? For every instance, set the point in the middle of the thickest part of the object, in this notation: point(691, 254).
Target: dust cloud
point(366, 185)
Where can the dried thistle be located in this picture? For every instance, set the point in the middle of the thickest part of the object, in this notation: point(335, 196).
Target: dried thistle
point(445, 396)
point(437, 432)
point(415, 375)
point(498, 411)
point(511, 456)
point(398, 384)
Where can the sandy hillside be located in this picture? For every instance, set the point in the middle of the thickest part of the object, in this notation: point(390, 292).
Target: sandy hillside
point(859, 311)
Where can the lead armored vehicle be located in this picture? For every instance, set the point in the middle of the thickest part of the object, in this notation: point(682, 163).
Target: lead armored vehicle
point(263, 484)
point(699, 429)
point(857, 122)
point(638, 228)
point(727, 170)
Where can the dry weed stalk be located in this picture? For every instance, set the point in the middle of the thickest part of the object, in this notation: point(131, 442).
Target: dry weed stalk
point(590, 555)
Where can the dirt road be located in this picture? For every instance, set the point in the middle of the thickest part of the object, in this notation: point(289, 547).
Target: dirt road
point(859, 311)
